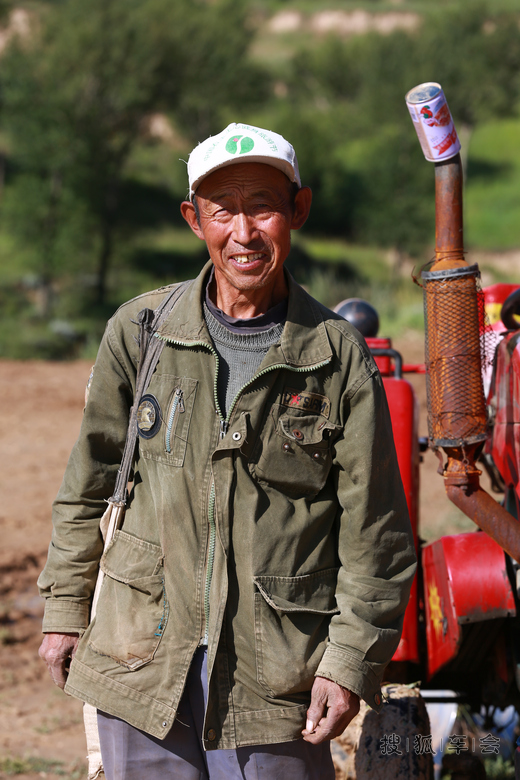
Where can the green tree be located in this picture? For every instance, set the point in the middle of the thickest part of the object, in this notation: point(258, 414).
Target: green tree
point(371, 184)
point(76, 95)
point(475, 54)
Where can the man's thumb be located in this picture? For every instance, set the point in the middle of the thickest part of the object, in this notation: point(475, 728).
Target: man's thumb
point(315, 712)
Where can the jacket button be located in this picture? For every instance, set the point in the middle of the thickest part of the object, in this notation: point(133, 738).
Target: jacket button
point(212, 734)
point(316, 455)
point(297, 434)
point(286, 447)
point(236, 436)
point(377, 699)
point(164, 724)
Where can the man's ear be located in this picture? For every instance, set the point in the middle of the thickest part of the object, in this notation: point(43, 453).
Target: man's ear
point(190, 215)
point(302, 207)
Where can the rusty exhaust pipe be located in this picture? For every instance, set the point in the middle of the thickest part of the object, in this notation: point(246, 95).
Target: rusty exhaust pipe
point(454, 310)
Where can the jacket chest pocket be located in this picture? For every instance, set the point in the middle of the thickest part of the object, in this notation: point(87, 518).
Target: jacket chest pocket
point(133, 609)
point(164, 417)
point(293, 452)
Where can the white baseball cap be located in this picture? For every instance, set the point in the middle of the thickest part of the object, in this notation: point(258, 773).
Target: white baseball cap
point(241, 143)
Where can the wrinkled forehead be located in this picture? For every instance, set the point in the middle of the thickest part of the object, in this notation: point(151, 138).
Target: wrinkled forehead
point(244, 180)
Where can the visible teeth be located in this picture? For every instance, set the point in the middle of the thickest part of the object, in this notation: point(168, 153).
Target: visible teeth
point(248, 258)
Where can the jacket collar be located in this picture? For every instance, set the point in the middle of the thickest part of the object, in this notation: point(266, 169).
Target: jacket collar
point(304, 339)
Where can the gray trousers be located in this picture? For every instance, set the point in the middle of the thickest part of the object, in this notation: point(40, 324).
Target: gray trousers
point(130, 754)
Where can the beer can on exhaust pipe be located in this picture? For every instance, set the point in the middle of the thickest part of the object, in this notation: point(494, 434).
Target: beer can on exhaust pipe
point(432, 121)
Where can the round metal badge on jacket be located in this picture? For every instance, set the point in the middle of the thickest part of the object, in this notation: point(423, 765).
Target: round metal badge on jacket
point(148, 417)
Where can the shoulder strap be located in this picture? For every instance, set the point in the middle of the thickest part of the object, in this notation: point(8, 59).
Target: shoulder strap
point(149, 353)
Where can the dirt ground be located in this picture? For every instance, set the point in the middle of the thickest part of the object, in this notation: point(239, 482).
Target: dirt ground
point(41, 733)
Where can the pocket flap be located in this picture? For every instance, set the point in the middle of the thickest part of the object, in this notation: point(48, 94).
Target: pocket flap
point(128, 558)
point(305, 429)
point(307, 593)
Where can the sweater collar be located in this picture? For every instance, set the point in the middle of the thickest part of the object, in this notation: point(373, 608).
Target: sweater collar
point(304, 339)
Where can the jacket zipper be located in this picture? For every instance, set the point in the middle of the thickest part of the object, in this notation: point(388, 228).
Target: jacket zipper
point(224, 425)
point(210, 559)
point(178, 404)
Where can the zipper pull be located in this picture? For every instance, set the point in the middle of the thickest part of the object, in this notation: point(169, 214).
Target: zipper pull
point(178, 401)
point(177, 405)
point(224, 425)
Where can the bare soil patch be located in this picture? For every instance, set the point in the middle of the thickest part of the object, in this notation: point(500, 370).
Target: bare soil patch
point(40, 414)
point(343, 23)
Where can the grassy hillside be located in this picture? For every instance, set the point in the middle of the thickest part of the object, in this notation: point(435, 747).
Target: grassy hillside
point(493, 186)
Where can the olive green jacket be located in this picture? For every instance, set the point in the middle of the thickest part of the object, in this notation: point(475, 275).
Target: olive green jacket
point(284, 528)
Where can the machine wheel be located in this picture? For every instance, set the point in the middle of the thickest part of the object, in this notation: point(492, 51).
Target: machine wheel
point(510, 307)
point(384, 746)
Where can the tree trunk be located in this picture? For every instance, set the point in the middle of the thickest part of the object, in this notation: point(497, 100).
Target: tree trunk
point(48, 247)
point(391, 746)
point(108, 223)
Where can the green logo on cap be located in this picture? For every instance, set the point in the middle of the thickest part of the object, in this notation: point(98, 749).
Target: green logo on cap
point(246, 144)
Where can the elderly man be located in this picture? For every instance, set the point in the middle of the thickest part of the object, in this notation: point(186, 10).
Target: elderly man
point(257, 587)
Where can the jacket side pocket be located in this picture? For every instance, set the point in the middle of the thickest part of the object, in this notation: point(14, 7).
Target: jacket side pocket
point(292, 616)
point(132, 611)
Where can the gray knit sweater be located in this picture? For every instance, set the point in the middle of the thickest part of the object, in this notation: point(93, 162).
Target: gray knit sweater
point(239, 356)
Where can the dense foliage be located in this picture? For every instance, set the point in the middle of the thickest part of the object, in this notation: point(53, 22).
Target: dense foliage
point(89, 204)
point(75, 98)
point(353, 96)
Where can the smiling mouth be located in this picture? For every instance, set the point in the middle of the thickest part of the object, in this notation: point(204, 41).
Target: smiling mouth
point(244, 259)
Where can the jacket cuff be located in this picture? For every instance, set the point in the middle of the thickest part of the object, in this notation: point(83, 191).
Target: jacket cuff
point(63, 616)
point(350, 672)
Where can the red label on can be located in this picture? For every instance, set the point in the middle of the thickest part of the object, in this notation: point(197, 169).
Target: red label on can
point(433, 123)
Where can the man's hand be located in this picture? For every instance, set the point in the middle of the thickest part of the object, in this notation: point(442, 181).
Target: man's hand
point(57, 650)
point(331, 709)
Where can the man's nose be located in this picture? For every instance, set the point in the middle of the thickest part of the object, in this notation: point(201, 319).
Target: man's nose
point(244, 229)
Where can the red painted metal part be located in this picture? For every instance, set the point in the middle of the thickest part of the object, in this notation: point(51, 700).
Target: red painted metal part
point(504, 399)
point(443, 633)
point(480, 585)
point(465, 581)
point(405, 414)
point(383, 362)
point(404, 411)
point(494, 297)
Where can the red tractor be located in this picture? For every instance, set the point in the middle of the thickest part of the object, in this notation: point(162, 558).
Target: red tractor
point(461, 630)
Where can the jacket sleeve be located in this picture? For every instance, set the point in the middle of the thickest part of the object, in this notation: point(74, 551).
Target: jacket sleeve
point(69, 577)
point(376, 549)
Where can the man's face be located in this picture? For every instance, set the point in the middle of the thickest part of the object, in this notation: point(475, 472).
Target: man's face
point(246, 215)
